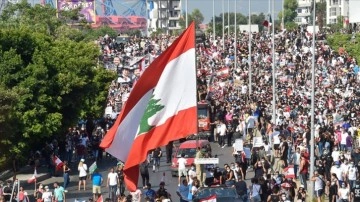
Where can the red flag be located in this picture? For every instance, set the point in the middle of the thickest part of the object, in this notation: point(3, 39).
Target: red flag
point(100, 199)
point(223, 72)
point(289, 172)
point(163, 99)
point(211, 198)
point(33, 178)
point(58, 163)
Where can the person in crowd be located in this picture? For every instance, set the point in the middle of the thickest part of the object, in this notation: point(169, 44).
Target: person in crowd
point(241, 189)
point(82, 168)
point(319, 185)
point(255, 190)
point(183, 191)
point(150, 194)
point(59, 193)
point(144, 172)
point(136, 195)
point(112, 182)
point(120, 174)
point(66, 174)
point(47, 196)
point(181, 162)
point(156, 154)
point(97, 181)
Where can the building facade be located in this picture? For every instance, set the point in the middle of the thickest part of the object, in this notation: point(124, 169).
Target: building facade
point(304, 11)
point(336, 8)
point(164, 14)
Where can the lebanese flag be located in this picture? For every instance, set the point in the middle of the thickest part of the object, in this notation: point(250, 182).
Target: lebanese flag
point(58, 163)
point(223, 72)
point(289, 172)
point(161, 107)
point(142, 65)
point(211, 198)
point(33, 178)
point(267, 22)
point(100, 199)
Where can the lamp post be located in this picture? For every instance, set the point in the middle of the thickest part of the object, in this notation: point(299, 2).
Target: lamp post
point(214, 20)
point(235, 45)
point(186, 14)
point(249, 56)
point(273, 66)
point(223, 25)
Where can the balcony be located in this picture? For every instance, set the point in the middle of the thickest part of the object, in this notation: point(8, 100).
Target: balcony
point(174, 28)
point(304, 4)
point(303, 14)
point(174, 17)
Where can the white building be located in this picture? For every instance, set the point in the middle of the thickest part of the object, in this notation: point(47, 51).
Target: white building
point(164, 14)
point(304, 11)
point(335, 8)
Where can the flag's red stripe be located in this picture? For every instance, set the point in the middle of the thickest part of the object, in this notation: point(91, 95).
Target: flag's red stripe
point(183, 43)
point(176, 127)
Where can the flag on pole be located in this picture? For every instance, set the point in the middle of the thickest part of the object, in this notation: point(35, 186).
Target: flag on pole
point(223, 72)
point(58, 163)
point(33, 178)
point(92, 168)
point(161, 107)
point(211, 198)
point(267, 22)
point(289, 172)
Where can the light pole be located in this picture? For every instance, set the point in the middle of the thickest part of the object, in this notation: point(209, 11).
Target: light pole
point(235, 48)
point(223, 24)
point(186, 14)
point(214, 20)
point(312, 146)
point(273, 66)
point(282, 16)
point(228, 19)
point(250, 36)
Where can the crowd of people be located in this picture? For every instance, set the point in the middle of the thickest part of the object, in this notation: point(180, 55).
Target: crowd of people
point(276, 150)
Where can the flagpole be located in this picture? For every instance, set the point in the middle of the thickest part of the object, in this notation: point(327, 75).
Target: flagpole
point(282, 16)
point(214, 20)
point(186, 14)
point(235, 48)
point(228, 19)
point(250, 36)
point(312, 146)
point(223, 24)
point(273, 66)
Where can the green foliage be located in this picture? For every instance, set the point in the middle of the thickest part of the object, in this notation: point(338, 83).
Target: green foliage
point(195, 16)
point(291, 26)
point(350, 43)
point(48, 76)
point(290, 7)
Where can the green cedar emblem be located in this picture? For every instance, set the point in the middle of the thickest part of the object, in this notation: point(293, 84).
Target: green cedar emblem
point(152, 108)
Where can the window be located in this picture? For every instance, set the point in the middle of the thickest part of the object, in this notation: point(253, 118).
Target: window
point(332, 11)
point(332, 21)
point(335, 2)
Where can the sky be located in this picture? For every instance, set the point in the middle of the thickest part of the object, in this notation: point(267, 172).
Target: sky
point(206, 6)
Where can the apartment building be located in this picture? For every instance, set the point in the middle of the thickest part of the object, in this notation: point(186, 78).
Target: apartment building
point(304, 11)
point(335, 8)
point(164, 14)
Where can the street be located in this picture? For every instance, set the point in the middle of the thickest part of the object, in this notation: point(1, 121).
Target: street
point(171, 183)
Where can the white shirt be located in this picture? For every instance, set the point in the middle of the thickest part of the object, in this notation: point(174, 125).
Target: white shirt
point(344, 193)
point(250, 122)
point(318, 183)
point(335, 155)
point(82, 170)
point(255, 189)
point(112, 177)
point(343, 137)
point(136, 195)
point(222, 129)
point(352, 171)
point(191, 174)
point(182, 163)
point(47, 196)
point(338, 172)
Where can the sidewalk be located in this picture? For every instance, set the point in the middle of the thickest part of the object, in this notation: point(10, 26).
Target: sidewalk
point(26, 173)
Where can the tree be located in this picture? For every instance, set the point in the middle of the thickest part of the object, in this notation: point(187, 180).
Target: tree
point(321, 13)
point(195, 16)
point(290, 7)
point(49, 77)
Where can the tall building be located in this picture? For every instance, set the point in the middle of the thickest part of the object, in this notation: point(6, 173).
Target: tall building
point(336, 8)
point(164, 14)
point(304, 11)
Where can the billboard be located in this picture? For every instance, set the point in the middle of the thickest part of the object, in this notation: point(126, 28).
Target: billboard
point(87, 7)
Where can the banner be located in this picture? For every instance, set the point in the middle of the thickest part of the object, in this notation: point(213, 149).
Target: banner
point(87, 7)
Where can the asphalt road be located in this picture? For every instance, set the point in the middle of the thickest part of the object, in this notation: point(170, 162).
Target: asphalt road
point(224, 155)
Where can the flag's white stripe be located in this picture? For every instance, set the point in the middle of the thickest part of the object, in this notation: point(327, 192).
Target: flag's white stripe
point(126, 132)
point(175, 89)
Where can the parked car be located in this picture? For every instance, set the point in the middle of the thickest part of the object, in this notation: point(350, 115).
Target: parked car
point(189, 149)
point(222, 193)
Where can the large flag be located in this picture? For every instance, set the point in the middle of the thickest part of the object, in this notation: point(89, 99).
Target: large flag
point(33, 178)
point(211, 198)
point(58, 163)
point(161, 107)
point(289, 172)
